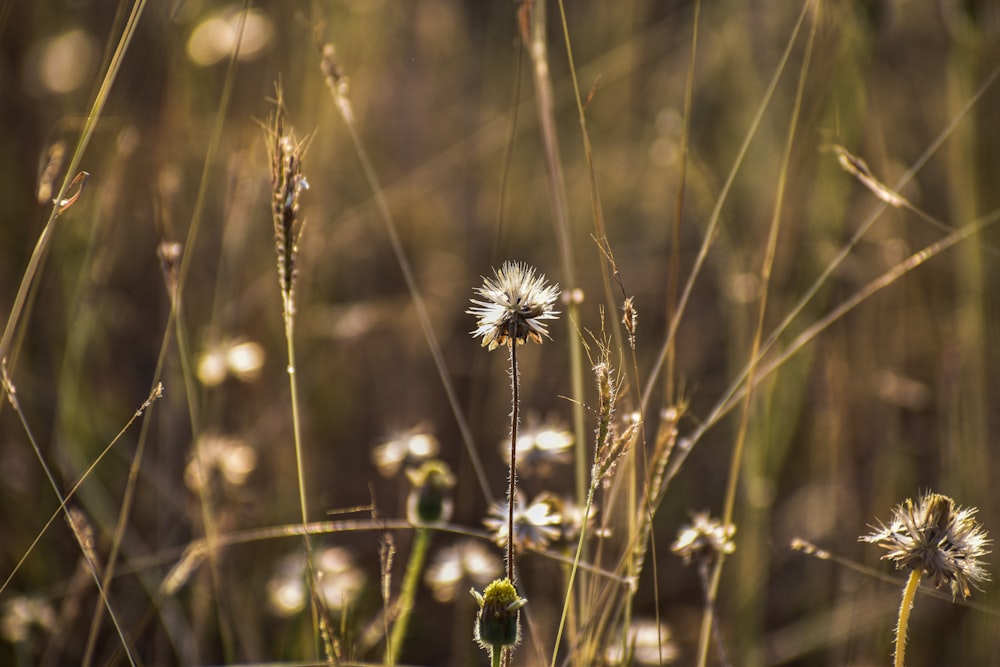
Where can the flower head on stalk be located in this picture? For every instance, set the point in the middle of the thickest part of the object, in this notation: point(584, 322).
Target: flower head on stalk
point(513, 304)
point(938, 538)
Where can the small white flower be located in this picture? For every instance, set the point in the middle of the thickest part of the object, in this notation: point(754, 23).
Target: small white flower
point(227, 456)
point(406, 449)
point(649, 643)
point(535, 524)
point(704, 537)
point(457, 566)
point(540, 445)
point(338, 581)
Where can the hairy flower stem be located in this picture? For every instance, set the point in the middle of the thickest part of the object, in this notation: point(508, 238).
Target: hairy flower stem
point(511, 489)
point(909, 593)
point(415, 566)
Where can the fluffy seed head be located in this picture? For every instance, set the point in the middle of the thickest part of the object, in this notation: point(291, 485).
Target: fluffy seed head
point(938, 537)
point(514, 303)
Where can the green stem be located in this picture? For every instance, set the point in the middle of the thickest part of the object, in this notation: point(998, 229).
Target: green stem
point(299, 466)
point(576, 564)
point(904, 614)
point(418, 556)
point(296, 430)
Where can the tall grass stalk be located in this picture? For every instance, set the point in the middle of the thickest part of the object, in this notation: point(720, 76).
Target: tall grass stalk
point(59, 204)
point(632, 462)
point(288, 183)
point(666, 436)
point(968, 436)
point(889, 277)
point(88, 553)
point(610, 447)
point(532, 25)
point(155, 394)
point(177, 319)
point(735, 391)
point(736, 461)
point(339, 89)
point(713, 222)
point(300, 469)
point(567, 601)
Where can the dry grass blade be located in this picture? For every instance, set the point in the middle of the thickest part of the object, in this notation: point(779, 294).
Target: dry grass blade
point(339, 86)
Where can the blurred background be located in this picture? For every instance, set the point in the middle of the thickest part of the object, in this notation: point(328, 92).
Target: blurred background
point(896, 397)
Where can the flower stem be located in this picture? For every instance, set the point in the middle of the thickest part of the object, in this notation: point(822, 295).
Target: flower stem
point(418, 556)
point(909, 592)
point(512, 490)
point(705, 575)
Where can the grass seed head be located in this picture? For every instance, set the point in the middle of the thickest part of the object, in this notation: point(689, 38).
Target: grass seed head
point(287, 183)
point(630, 318)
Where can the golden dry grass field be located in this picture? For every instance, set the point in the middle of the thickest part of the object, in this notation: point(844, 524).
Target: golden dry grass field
point(793, 204)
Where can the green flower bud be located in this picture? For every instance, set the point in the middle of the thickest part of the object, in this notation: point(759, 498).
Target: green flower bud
point(428, 501)
point(498, 624)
